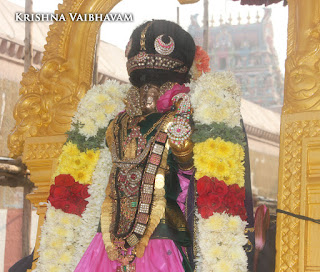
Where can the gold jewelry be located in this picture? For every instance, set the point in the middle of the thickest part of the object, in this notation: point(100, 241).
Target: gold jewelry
point(143, 37)
point(155, 61)
point(133, 106)
point(166, 87)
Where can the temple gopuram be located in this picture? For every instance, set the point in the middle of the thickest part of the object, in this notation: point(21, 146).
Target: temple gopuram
point(248, 51)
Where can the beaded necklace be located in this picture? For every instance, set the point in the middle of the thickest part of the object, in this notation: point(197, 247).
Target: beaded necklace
point(132, 185)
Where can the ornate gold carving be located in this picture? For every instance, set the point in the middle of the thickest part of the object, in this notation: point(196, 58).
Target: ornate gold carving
point(43, 151)
point(313, 159)
point(49, 96)
point(302, 65)
point(292, 188)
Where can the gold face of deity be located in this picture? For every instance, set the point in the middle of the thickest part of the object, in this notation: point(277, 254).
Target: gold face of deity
point(149, 95)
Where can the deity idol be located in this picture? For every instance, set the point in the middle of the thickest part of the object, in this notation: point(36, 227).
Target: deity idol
point(152, 176)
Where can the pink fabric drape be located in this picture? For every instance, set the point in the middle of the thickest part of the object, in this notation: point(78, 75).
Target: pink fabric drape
point(161, 255)
point(184, 185)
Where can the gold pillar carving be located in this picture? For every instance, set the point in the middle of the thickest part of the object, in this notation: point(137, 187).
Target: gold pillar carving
point(297, 241)
point(49, 96)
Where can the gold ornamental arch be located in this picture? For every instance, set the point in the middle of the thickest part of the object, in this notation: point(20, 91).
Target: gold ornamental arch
point(49, 98)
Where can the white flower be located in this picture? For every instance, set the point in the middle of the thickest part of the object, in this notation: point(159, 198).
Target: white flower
point(215, 97)
point(220, 240)
point(99, 106)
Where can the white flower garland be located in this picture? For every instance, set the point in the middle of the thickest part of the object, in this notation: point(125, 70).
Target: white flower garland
point(65, 237)
point(220, 240)
point(100, 105)
point(216, 97)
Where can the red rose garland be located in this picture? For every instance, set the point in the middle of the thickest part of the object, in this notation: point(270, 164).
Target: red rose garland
point(215, 196)
point(68, 195)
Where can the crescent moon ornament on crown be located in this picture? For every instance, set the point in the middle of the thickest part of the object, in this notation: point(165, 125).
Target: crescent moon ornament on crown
point(163, 48)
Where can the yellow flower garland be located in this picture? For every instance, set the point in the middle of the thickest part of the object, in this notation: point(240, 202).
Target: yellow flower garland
point(220, 159)
point(78, 164)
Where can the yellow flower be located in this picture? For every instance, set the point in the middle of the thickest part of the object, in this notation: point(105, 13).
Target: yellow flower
point(197, 148)
point(231, 163)
point(82, 176)
point(211, 167)
point(222, 169)
point(224, 149)
point(91, 156)
point(78, 162)
point(70, 149)
point(211, 144)
point(221, 159)
point(199, 174)
point(233, 180)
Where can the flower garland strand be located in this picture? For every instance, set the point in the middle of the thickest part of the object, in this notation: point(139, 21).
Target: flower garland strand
point(67, 232)
point(219, 167)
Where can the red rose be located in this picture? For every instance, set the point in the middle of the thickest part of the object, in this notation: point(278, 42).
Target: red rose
point(234, 188)
point(59, 192)
point(204, 185)
point(231, 200)
point(57, 203)
point(217, 203)
point(84, 192)
point(64, 180)
point(76, 188)
point(82, 206)
point(68, 195)
point(242, 212)
point(205, 212)
point(71, 207)
point(203, 201)
point(220, 187)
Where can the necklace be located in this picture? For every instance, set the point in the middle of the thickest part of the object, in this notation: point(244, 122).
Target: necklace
point(136, 134)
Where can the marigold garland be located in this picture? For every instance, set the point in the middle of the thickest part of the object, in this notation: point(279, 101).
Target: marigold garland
point(78, 164)
point(220, 159)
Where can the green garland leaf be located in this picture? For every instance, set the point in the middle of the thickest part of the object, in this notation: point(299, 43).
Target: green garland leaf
point(82, 142)
point(203, 132)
